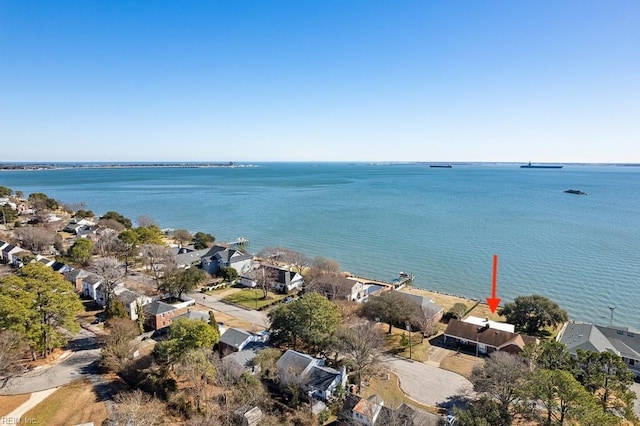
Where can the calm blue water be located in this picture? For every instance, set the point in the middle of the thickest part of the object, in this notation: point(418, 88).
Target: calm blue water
point(442, 225)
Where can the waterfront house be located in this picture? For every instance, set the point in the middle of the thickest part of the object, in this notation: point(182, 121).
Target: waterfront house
point(284, 280)
point(280, 279)
point(219, 257)
point(622, 341)
point(483, 339)
point(431, 311)
point(75, 226)
point(309, 373)
point(188, 256)
point(338, 287)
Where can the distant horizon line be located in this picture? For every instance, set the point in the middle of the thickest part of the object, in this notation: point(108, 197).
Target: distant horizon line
point(230, 162)
point(249, 162)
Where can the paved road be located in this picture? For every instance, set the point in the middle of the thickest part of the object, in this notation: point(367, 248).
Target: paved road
point(254, 317)
point(425, 383)
point(81, 362)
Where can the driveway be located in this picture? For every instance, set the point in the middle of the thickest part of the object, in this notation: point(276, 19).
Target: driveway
point(254, 317)
point(81, 361)
point(425, 383)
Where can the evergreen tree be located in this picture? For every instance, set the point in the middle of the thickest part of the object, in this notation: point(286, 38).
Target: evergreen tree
point(38, 303)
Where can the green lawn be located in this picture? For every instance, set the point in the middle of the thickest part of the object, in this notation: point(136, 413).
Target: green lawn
point(252, 298)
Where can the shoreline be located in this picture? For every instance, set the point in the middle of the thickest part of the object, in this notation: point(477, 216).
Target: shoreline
point(97, 166)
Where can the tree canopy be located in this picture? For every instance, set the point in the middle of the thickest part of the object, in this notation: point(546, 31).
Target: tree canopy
point(37, 302)
point(178, 281)
point(5, 192)
point(531, 314)
point(185, 335)
point(203, 240)
point(503, 379)
point(607, 376)
point(81, 251)
point(118, 218)
point(311, 319)
point(391, 307)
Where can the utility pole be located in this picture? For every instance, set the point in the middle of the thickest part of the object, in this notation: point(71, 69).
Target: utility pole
point(410, 344)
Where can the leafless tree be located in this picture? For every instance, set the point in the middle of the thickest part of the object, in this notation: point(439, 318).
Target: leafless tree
point(117, 345)
point(182, 236)
point(502, 378)
point(36, 238)
point(362, 343)
point(197, 368)
point(265, 278)
point(295, 260)
point(139, 409)
point(145, 221)
point(330, 284)
point(12, 349)
point(109, 245)
point(158, 259)
point(111, 224)
point(112, 271)
point(227, 376)
point(73, 207)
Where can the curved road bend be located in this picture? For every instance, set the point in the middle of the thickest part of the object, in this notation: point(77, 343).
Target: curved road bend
point(425, 383)
point(82, 362)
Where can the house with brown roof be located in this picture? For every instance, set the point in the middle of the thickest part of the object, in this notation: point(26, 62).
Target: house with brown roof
point(336, 287)
point(484, 339)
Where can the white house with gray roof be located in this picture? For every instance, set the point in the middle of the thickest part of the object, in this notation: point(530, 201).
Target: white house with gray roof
point(316, 380)
point(622, 341)
point(9, 253)
point(131, 300)
point(90, 285)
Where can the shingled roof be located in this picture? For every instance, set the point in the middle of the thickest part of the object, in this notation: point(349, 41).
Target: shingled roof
point(483, 334)
point(622, 341)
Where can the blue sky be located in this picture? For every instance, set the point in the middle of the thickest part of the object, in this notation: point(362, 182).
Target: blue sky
point(340, 80)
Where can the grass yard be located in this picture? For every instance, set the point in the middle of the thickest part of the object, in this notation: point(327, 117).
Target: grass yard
point(228, 320)
point(252, 298)
point(461, 364)
point(72, 404)
point(447, 301)
point(419, 350)
point(8, 403)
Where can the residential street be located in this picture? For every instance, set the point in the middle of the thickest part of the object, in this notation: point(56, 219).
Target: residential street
point(254, 317)
point(425, 383)
point(81, 361)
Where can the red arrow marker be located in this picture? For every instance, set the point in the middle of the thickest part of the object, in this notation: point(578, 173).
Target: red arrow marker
point(493, 301)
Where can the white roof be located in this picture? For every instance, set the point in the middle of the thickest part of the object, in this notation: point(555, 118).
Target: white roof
point(502, 326)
